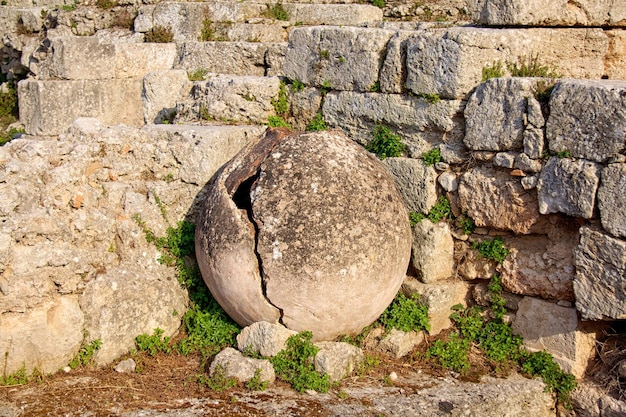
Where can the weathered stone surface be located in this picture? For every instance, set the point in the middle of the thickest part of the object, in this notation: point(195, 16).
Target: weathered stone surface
point(417, 121)
point(415, 181)
point(588, 118)
point(470, 264)
point(555, 13)
point(46, 337)
point(49, 107)
point(399, 343)
point(233, 364)
point(496, 114)
point(449, 62)
point(615, 58)
point(542, 265)
point(337, 359)
point(612, 200)
point(333, 14)
point(161, 91)
point(236, 58)
point(495, 199)
point(264, 338)
point(568, 186)
point(439, 297)
point(393, 72)
point(305, 105)
point(345, 58)
point(571, 347)
point(316, 208)
point(433, 251)
point(525, 163)
point(449, 181)
point(599, 285)
point(483, 297)
point(241, 99)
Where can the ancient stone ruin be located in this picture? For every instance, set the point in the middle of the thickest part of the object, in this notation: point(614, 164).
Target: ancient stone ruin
point(522, 103)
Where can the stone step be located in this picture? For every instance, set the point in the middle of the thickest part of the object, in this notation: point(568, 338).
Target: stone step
point(230, 99)
point(188, 19)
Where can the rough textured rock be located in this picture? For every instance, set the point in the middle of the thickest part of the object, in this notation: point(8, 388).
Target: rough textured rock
point(615, 58)
point(542, 265)
point(496, 115)
point(415, 119)
point(568, 186)
point(305, 105)
point(612, 201)
point(554, 13)
point(600, 269)
point(399, 343)
point(264, 338)
point(571, 347)
point(495, 199)
point(337, 359)
point(415, 181)
point(588, 118)
point(126, 366)
point(433, 251)
point(333, 14)
point(439, 297)
point(345, 58)
point(393, 72)
point(321, 217)
point(241, 99)
point(234, 365)
point(449, 62)
point(161, 91)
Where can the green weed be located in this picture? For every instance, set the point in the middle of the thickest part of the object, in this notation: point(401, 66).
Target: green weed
point(441, 210)
point(294, 364)
point(106, 4)
point(324, 54)
point(469, 321)
point(85, 354)
point(69, 7)
point(385, 143)
point(325, 88)
point(277, 121)
point(198, 74)
point(218, 381)
point(153, 344)
point(492, 249)
point(297, 85)
point(466, 223)
point(496, 70)
point(432, 157)
point(10, 135)
point(276, 11)
point(415, 218)
point(159, 34)
point(451, 354)
point(406, 314)
point(432, 98)
point(209, 330)
point(375, 88)
point(317, 123)
point(530, 66)
point(563, 154)
point(255, 383)
point(379, 3)
point(248, 97)
point(207, 33)
point(281, 102)
point(542, 364)
point(19, 377)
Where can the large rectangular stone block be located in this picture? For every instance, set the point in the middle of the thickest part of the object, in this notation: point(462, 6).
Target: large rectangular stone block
point(612, 199)
point(549, 13)
point(449, 62)
point(588, 118)
point(600, 282)
point(333, 14)
point(49, 107)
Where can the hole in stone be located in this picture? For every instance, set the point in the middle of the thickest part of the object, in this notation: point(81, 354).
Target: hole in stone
point(241, 198)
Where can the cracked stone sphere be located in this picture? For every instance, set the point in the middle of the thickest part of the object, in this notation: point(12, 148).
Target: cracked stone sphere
point(307, 230)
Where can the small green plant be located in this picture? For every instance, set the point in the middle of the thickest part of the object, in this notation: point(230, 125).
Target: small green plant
point(197, 75)
point(324, 54)
point(209, 330)
point(296, 86)
point(169, 177)
point(203, 112)
point(255, 383)
point(277, 121)
point(276, 11)
point(207, 33)
point(159, 34)
point(153, 344)
point(379, 3)
point(495, 70)
point(492, 249)
point(341, 59)
point(432, 157)
point(542, 364)
point(294, 364)
point(19, 377)
point(325, 88)
point(281, 102)
point(248, 97)
point(375, 88)
point(69, 7)
point(85, 354)
point(530, 66)
point(415, 218)
point(451, 354)
point(317, 123)
point(406, 314)
point(10, 135)
point(218, 381)
point(466, 223)
point(385, 143)
point(432, 98)
point(563, 154)
point(441, 210)
point(543, 90)
point(106, 4)
point(469, 321)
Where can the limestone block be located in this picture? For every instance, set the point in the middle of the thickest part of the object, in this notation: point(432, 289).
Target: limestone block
point(439, 297)
point(600, 270)
point(534, 140)
point(333, 14)
point(433, 251)
point(49, 107)
point(124, 303)
point(542, 265)
point(496, 114)
point(449, 62)
point(399, 343)
point(554, 13)
point(615, 58)
point(416, 120)
point(264, 338)
point(588, 118)
point(233, 364)
point(161, 91)
point(568, 186)
point(561, 335)
point(495, 199)
point(612, 201)
point(337, 359)
point(393, 72)
point(45, 337)
point(343, 58)
point(449, 181)
point(250, 32)
point(236, 58)
point(242, 99)
point(525, 163)
point(305, 105)
point(415, 181)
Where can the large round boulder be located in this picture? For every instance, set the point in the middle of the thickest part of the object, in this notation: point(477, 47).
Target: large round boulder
point(304, 229)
